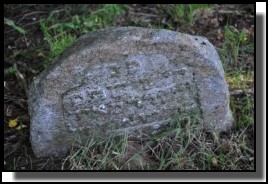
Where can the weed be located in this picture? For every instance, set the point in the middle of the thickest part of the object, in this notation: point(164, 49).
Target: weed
point(11, 70)
point(14, 26)
point(246, 116)
point(184, 13)
point(102, 17)
point(235, 41)
point(57, 43)
point(239, 80)
point(243, 111)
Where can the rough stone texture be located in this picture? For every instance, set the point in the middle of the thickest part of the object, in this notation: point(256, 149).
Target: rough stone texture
point(126, 78)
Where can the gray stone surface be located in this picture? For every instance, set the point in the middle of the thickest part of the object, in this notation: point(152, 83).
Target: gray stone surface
point(126, 79)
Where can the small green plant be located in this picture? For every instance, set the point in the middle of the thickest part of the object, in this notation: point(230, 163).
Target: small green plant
point(11, 70)
point(100, 18)
point(14, 26)
point(239, 80)
point(103, 16)
point(243, 109)
point(235, 42)
point(57, 43)
point(246, 117)
point(184, 13)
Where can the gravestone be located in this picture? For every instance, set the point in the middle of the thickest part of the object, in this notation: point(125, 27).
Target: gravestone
point(127, 79)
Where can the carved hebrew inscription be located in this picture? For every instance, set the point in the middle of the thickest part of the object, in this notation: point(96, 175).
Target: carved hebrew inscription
point(137, 91)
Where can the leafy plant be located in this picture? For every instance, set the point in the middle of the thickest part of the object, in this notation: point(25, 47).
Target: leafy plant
point(56, 43)
point(11, 70)
point(234, 39)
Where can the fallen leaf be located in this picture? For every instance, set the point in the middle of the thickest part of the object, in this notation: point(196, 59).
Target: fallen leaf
point(41, 54)
point(12, 123)
point(21, 127)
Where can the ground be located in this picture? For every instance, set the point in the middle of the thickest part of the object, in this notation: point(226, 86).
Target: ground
point(35, 34)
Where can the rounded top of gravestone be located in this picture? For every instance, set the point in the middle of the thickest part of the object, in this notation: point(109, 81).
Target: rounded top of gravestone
point(127, 79)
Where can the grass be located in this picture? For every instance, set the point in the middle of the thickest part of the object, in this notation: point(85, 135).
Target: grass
point(57, 43)
point(185, 12)
point(97, 154)
point(103, 16)
point(234, 39)
point(235, 43)
point(16, 163)
point(182, 148)
point(100, 18)
point(239, 80)
point(243, 110)
point(62, 35)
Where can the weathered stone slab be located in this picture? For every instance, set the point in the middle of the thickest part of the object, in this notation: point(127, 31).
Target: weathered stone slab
point(127, 79)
